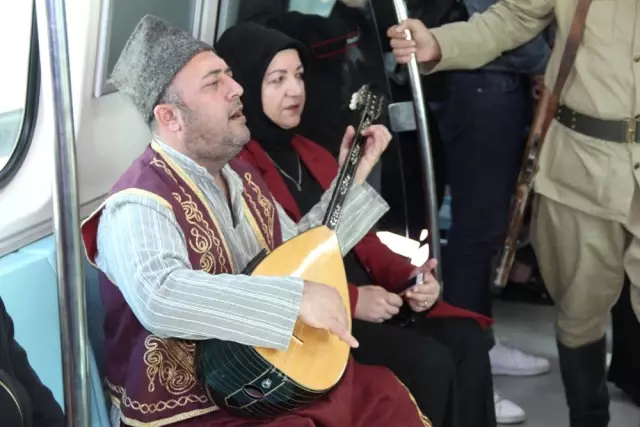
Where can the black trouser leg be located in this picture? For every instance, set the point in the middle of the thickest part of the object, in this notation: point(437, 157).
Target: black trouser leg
point(423, 364)
point(624, 370)
point(466, 341)
point(483, 123)
point(584, 376)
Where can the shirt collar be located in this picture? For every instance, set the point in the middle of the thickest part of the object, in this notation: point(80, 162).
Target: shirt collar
point(194, 169)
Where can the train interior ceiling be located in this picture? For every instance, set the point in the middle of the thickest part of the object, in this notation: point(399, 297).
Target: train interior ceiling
point(108, 136)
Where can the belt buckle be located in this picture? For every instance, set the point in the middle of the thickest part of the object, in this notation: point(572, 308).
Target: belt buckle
point(631, 129)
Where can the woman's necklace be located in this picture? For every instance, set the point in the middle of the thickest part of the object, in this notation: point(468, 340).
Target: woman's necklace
point(298, 182)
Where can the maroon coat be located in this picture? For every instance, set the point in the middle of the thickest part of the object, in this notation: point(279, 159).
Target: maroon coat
point(387, 268)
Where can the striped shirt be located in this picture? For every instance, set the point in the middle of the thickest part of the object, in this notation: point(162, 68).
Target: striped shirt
point(143, 250)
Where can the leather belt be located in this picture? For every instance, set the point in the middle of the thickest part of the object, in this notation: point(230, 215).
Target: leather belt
point(624, 131)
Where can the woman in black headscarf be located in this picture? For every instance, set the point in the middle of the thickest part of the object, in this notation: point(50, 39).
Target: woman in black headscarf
point(345, 52)
point(270, 67)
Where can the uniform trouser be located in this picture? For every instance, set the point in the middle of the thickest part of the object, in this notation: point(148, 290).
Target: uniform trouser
point(583, 260)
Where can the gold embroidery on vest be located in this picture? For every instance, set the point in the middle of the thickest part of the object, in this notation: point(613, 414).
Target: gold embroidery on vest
point(194, 188)
point(268, 209)
point(172, 362)
point(119, 395)
point(201, 237)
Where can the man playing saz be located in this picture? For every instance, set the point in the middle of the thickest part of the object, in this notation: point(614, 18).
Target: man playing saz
point(180, 225)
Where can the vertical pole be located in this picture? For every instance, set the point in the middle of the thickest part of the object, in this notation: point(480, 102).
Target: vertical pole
point(396, 135)
point(429, 182)
point(66, 218)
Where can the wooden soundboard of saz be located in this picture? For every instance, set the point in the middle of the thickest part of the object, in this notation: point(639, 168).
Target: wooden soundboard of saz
point(316, 358)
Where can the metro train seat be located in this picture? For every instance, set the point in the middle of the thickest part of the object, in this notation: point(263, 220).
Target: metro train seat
point(95, 320)
point(28, 286)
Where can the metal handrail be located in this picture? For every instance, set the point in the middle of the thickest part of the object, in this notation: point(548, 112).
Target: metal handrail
point(426, 158)
point(66, 220)
point(395, 135)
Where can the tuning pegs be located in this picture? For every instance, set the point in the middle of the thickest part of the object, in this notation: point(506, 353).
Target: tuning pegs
point(360, 98)
point(379, 108)
point(353, 104)
point(369, 100)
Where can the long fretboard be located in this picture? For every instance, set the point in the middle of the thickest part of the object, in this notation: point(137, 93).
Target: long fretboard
point(346, 175)
point(370, 104)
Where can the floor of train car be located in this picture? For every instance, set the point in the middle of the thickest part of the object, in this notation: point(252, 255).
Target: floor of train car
point(530, 328)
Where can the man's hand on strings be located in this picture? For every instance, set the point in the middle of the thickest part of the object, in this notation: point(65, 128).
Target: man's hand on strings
point(322, 307)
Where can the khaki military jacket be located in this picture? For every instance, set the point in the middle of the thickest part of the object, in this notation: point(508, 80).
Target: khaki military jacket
point(595, 176)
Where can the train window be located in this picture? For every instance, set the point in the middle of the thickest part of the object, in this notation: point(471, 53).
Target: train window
point(322, 8)
point(228, 15)
point(19, 85)
point(119, 18)
point(233, 11)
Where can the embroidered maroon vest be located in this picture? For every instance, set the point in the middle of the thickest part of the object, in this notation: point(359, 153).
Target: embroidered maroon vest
point(152, 380)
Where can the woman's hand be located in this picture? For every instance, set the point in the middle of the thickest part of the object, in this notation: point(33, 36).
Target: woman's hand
point(377, 140)
point(376, 304)
point(424, 295)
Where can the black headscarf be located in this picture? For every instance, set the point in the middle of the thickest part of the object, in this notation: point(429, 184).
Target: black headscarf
point(248, 49)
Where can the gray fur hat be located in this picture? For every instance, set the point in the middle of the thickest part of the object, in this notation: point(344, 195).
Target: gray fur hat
point(153, 55)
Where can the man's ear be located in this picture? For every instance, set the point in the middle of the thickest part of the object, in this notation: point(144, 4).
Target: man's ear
point(167, 117)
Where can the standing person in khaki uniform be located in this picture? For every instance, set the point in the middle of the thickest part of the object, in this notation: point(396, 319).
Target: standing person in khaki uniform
point(587, 211)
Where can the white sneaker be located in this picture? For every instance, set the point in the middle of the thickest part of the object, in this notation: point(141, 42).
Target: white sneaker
point(508, 412)
point(510, 361)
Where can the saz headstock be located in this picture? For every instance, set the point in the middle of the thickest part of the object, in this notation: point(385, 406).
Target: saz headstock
point(369, 102)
